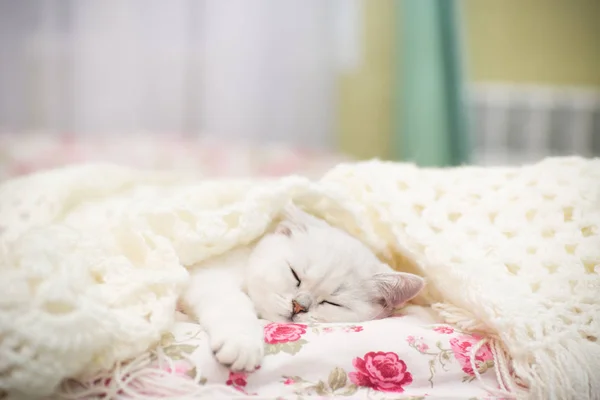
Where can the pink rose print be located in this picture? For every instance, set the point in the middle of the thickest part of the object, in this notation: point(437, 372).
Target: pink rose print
point(355, 328)
point(237, 379)
point(444, 329)
point(382, 371)
point(461, 347)
point(417, 343)
point(283, 333)
point(289, 381)
point(179, 368)
point(422, 347)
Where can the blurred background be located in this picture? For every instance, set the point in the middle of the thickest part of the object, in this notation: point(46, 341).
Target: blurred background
point(271, 87)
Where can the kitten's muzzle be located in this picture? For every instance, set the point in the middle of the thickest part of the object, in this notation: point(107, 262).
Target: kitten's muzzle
point(297, 308)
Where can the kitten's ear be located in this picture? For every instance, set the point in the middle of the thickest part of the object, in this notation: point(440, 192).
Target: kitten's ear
point(392, 289)
point(294, 220)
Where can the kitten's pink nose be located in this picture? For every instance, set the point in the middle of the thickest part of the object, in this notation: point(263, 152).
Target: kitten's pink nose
point(297, 308)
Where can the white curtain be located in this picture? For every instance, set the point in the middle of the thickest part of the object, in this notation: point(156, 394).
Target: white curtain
point(260, 70)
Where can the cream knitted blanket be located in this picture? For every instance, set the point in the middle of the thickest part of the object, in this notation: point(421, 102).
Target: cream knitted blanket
point(91, 259)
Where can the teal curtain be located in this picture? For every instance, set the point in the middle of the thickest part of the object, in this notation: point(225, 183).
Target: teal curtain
point(431, 127)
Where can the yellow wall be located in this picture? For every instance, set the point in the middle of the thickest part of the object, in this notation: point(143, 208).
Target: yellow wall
point(551, 42)
point(534, 41)
point(365, 108)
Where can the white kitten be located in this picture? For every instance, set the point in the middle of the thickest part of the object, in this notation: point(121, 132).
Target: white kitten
point(304, 271)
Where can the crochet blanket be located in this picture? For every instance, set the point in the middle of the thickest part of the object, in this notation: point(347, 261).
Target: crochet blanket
point(92, 259)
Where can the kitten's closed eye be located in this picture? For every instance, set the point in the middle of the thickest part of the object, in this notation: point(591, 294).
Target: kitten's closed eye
point(295, 276)
point(331, 303)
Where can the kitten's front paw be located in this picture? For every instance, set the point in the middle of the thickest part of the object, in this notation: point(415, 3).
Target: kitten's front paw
point(239, 351)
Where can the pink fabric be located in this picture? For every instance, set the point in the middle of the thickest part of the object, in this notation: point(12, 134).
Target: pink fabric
point(25, 153)
point(404, 357)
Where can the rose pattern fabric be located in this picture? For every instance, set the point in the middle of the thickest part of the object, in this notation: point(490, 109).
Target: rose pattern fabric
point(462, 347)
point(354, 329)
point(283, 333)
point(417, 343)
point(237, 379)
point(181, 368)
point(330, 329)
point(392, 358)
point(444, 329)
point(382, 371)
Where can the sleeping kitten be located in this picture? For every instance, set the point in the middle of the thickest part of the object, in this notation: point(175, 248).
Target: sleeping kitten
point(304, 271)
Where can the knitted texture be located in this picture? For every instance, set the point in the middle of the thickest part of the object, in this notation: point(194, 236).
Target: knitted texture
point(93, 259)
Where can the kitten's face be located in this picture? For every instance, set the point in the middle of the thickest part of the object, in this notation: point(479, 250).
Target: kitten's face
point(308, 271)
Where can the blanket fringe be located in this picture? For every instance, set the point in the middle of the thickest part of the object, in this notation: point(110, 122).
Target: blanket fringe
point(522, 380)
point(508, 388)
point(460, 318)
point(507, 385)
point(148, 377)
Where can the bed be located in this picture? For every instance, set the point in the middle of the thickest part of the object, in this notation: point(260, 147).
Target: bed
point(408, 356)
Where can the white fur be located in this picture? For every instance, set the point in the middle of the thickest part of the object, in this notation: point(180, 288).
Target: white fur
point(229, 294)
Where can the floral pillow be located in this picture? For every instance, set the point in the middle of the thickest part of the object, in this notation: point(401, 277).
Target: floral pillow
point(399, 357)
